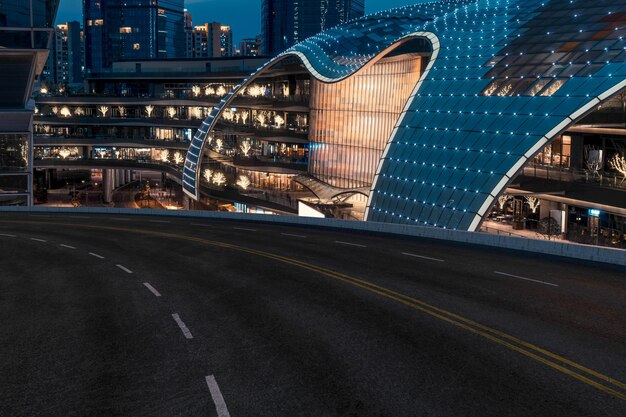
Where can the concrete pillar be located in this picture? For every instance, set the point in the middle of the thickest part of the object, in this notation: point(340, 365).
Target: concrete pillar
point(127, 175)
point(107, 185)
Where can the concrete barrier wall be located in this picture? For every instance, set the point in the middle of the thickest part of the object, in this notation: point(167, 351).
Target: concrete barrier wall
point(569, 250)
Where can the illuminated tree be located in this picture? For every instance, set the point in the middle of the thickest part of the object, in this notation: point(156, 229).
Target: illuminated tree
point(103, 110)
point(262, 117)
point(65, 112)
point(197, 112)
point(219, 145)
point(209, 91)
point(208, 174)
point(221, 91)
point(55, 110)
point(618, 163)
point(244, 116)
point(533, 203)
point(178, 158)
point(219, 179)
point(164, 156)
point(171, 111)
point(79, 111)
point(502, 200)
point(122, 111)
point(245, 147)
point(279, 121)
point(196, 90)
point(228, 115)
point(255, 91)
point(243, 182)
point(64, 153)
point(149, 110)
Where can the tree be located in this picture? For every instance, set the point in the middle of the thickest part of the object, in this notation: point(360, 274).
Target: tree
point(164, 156)
point(243, 182)
point(219, 145)
point(149, 110)
point(618, 163)
point(219, 179)
point(171, 111)
point(279, 121)
point(103, 110)
point(178, 158)
point(65, 112)
point(502, 200)
point(208, 174)
point(593, 159)
point(64, 153)
point(548, 227)
point(245, 147)
point(533, 203)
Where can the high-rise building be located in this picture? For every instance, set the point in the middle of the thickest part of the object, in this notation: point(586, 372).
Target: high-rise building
point(132, 29)
point(211, 40)
point(25, 29)
point(66, 61)
point(250, 46)
point(226, 41)
point(285, 23)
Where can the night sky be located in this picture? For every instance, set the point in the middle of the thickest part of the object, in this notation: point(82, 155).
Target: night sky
point(242, 15)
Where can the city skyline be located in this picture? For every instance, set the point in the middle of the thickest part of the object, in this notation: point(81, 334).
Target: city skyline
point(245, 25)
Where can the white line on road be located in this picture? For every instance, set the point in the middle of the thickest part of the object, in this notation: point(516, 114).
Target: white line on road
point(350, 244)
point(96, 255)
point(292, 235)
point(38, 240)
point(243, 228)
point(201, 224)
point(7, 235)
point(423, 257)
point(152, 289)
point(525, 279)
point(123, 268)
point(218, 398)
point(182, 326)
point(67, 246)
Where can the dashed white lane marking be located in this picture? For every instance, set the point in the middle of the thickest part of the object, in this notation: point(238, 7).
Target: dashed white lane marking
point(423, 257)
point(67, 246)
point(182, 326)
point(96, 255)
point(7, 235)
point(201, 224)
point(123, 268)
point(159, 221)
point(218, 398)
point(525, 279)
point(243, 228)
point(350, 244)
point(152, 289)
point(38, 240)
point(293, 235)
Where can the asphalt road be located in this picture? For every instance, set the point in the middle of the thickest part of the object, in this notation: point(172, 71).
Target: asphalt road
point(129, 316)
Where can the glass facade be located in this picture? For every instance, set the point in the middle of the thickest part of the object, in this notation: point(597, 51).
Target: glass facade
point(505, 79)
point(25, 33)
point(16, 29)
point(132, 29)
point(352, 120)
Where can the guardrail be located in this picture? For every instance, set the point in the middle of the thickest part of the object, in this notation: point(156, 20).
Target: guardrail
point(568, 250)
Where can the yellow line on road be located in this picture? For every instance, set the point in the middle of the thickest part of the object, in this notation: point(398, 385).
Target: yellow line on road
point(511, 342)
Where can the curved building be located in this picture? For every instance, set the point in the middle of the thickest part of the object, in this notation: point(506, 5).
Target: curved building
point(435, 108)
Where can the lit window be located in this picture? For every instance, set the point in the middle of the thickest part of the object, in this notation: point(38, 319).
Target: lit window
point(126, 29)
point(98, 22)
point(136, 47)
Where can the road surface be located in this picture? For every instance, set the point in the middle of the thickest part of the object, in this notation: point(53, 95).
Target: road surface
point(151, 316)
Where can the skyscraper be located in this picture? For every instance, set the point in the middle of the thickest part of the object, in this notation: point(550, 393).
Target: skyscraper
point(65, 64)
point(285, 22)
point(132, 29)
point(25, 29)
